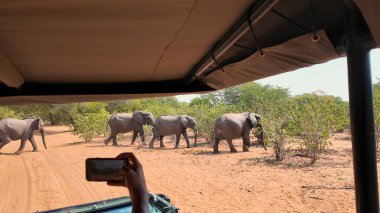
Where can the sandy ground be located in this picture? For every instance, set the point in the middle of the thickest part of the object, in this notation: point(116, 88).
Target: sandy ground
point(195, 179)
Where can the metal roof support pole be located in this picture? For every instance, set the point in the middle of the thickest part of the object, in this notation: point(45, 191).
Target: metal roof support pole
point(362, 118)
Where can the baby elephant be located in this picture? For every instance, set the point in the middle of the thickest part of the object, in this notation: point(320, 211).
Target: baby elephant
point(235, 125)
point(15, 129)
point(173, 125)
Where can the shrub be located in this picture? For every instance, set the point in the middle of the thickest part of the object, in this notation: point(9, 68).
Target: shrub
point(6, 112)
point(206, 117)
point(312, 123)
point(276, 134)
point(90, 125)
point(275, 122)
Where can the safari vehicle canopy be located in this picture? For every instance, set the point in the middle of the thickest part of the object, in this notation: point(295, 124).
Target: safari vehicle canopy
point(69, 51)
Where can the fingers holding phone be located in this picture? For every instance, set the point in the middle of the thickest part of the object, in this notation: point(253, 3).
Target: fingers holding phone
point(124, 170)
point(134, 175)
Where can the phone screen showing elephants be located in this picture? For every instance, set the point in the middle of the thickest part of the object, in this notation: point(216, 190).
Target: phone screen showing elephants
point(103, 169)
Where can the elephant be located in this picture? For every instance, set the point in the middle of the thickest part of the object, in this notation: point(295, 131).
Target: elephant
point(234, 125)
point(173, 125)
point(14, 129)
point(127, 122)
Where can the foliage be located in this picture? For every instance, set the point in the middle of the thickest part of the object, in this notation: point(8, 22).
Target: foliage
point(275, 123)
point(331, 109)
point(206, 117)
point(91, 107)
point(159, 109)
point(206, 100)
point(376, 108)
point(148, 131)
point(6, 112)
point(313, 122)
point(53, 113)
point(90, 120)
point(61, 113)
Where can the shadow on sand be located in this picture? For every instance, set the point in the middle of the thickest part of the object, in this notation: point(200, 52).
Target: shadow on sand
point(2, 153)
point(79, 143)
point(211, 153)
point(14, 154)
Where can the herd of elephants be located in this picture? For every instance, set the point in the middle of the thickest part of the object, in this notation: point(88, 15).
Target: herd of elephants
point(227, 127)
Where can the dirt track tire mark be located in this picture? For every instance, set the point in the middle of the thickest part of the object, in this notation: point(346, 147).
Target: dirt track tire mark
point(15, 192)
point(49, 192)
point(73, 178)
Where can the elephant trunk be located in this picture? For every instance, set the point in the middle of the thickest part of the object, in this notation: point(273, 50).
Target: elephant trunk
point(42, 131)
point(195, 136)
point(262, 137)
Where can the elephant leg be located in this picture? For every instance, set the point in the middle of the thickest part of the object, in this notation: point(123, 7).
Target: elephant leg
point(184, 133)
point(216, 145)
point(134, 137)
point(141, 132)
point(108, 139)
point(232, 148)
point(152, 142)
point(4, 141)
point(178, 136)
point(162, 142)
point(33, 142)
point(114, 142)
point(246, 143)
point(22, 146)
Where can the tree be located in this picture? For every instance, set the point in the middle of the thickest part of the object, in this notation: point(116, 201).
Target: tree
point(203, 100)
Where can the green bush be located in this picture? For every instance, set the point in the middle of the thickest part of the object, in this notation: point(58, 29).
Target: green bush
point(90, 122)
point(275, 123)
point(313, 123)
point(6, 112)
point(206, 117)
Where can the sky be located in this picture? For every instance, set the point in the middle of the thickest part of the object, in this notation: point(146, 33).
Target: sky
point(330, 77)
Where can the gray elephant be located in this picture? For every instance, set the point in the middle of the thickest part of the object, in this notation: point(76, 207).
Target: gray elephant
point(173, 125)
point(15, 129)
point(234, 125)
point(127, 122)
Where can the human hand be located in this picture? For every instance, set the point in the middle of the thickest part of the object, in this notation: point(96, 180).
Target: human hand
point(134, 181)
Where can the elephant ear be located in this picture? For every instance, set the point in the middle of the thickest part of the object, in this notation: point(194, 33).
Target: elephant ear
point(138, 117)
point(185, 121)
point(254, 119)
point(35, 124)
point(40, 123)
point(258, 117)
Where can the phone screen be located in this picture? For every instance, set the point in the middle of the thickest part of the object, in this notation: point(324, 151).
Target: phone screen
point(103, 169)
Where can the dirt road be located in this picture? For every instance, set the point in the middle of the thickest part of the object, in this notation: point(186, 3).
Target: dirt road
point(195, 179)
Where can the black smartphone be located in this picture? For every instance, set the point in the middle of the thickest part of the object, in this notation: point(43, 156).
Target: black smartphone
point(104, 169)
